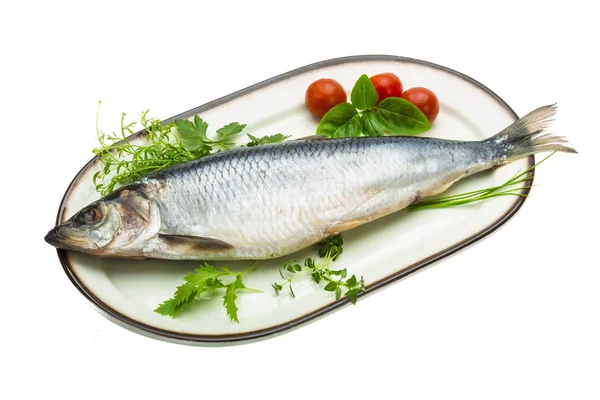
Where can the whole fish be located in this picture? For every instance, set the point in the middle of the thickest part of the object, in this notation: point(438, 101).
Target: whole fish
point(272, 200)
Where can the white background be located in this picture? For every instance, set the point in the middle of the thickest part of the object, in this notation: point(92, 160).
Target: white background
point(515, 316)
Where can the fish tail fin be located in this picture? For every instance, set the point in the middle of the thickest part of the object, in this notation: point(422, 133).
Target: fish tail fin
point(526, 136)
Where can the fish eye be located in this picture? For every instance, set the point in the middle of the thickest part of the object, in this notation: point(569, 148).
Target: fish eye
point(89, 215)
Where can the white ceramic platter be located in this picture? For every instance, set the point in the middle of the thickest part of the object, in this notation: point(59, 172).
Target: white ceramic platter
point(127, 291)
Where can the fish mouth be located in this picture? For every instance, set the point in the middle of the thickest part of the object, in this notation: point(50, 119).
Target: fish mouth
point(53, 238)
point(66, 237)
point(62, 237)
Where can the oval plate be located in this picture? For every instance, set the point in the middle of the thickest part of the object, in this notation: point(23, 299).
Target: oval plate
point(127, 291)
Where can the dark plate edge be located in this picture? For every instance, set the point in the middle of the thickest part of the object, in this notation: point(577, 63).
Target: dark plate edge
point(151, 331)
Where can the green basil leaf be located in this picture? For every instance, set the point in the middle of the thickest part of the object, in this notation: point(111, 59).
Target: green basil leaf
point(363, 94)
point(341, 121)
point(401, 117)
point(371, 124)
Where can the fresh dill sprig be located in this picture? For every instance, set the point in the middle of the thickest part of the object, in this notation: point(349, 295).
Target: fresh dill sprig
point(335, 280)
point(506, 189)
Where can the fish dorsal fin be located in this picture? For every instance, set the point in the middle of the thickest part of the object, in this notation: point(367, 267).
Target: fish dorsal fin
point(194, 243)
point(312, 137)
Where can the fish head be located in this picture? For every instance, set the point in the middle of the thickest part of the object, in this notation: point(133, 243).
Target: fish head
point(117, 225)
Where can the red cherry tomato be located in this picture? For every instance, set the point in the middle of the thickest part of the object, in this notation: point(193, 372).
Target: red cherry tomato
point(322, 95)
point(387, 85)
point(425, 100)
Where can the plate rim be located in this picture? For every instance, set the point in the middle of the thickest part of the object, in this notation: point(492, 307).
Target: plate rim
point(236, 338)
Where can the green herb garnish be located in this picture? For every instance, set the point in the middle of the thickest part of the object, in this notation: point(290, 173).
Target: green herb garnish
point(163, 146)
point(401, 117)
point(201, 284)
point(277, 138)
point(335, 280)
point(341, 121)
point(364, 115)
point(193, 134)
point(506, 189)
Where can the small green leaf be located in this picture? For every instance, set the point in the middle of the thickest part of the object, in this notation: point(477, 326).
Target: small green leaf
point(352, 295)
point(316, 276)
point(344, 273)
point(230, 298)
point(332, 246)
point(363, 94)
point(330, 287)
point(209, 288)
point(401, 117)
point(338, 292)
point(277, 288)
point(341, 121)
point(371, 124)
point(292, 290)
point(167, 308)
point(192, 134)
point(170, 308)
point(184, 291)
point(256, 141)
point(200, 126)
point(230, 130)
point(201, 274)
point(297, 267)
point(351, 282)
point(225, 269)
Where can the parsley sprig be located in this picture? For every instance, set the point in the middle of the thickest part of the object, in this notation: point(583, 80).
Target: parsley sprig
point(124, 162)
point(256, 141)
point(163, 145)
point(201, 284)
point(335, 280)
point(193, 134)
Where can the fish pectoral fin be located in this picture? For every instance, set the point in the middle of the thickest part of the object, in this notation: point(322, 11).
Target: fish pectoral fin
point(194, 243)
point(343, 226)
